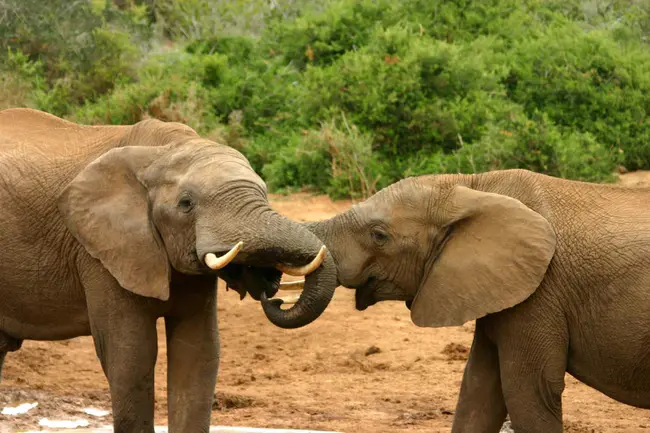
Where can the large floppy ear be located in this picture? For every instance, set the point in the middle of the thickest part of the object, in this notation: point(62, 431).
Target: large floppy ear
point(106, 209)
point(495, 256)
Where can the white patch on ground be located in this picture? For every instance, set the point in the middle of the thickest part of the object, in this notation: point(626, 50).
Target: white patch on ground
point(218, 429)
point(20, 409)
point(44, 422)
point(224, 429)
point(96, 412)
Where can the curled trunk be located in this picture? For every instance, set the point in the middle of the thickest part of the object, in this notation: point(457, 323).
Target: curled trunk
point(299, 247)
point(314, 299)
point(274, 241)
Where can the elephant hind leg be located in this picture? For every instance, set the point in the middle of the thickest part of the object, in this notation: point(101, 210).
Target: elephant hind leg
point(533, 365)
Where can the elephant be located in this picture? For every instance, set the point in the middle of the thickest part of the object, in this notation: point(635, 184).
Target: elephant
point(555, 273)
point(104, 229)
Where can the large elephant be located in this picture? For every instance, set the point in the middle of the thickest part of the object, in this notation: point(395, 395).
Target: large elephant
point(104, 229)
point(556, 272)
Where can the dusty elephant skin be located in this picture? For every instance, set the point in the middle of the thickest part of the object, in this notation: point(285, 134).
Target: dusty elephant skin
point(105, 229)
point(555, 272)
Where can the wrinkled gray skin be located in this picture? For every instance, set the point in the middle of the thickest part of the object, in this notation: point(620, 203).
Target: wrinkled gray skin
point(556, 273)
point(104, 229)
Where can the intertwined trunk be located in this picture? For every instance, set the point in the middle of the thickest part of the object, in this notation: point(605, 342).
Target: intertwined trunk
point(300, 246)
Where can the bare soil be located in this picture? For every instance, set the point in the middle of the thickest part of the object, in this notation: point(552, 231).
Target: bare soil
point(349, 371)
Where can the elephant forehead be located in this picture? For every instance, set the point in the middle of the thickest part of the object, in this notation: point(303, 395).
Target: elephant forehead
point(221, 169)
point(373, 211)
point(202, 164)
point(211, 180)
point(397, 211)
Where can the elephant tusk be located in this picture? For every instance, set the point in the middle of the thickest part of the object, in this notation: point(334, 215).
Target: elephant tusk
point(216, 263)
point(292, 285)
point(304, 270)
point(290, 299)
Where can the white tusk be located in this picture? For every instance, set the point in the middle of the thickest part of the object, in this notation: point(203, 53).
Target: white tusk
point(292, 285)
point(216, 263)
point(304, 270)
point(290, 299)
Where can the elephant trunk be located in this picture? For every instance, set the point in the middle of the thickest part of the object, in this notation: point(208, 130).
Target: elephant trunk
point(270, 240)
point(301, 246)
point(314, 299)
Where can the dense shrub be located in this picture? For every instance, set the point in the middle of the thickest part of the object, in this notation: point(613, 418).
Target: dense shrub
point(83, 48)
point(587, 82)
point(348, 96)
point(336, 157)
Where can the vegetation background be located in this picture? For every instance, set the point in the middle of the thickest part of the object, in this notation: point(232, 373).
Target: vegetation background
point(345, 96)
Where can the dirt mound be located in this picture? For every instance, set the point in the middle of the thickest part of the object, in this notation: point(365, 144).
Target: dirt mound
point(227, 401)
point(456, 352)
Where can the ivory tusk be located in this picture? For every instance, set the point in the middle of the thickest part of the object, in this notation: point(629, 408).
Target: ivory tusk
point(216, 263)
point(292, 285)
point(304, 270)
point(289, 299)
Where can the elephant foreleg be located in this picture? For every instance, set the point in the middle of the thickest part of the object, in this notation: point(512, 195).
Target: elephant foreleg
point(2, 361)
point(481, 407)
point(127, 352)
point(7, 344)
point(193, 362)
point(124, 331)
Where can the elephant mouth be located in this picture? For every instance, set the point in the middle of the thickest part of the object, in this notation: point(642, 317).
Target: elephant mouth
point(216, 262)
point(364, 296)
point(259, 272)
point(251, 280)
point(374, 291)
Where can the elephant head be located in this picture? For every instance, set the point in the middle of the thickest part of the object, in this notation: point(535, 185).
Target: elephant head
point(453, 252)
point(165, 200)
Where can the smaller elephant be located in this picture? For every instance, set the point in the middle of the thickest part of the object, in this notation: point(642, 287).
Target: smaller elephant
point(555, 272)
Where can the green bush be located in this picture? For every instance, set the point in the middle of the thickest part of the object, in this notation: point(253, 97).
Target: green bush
point(348, 96)
point(336, 158)
point(587, 82)
point(171, 87)
point(535, 144)
point(83, 48)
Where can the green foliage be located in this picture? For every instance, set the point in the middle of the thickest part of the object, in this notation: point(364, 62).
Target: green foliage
point(202, 19)
point(335, 157)
point(346, 96)
point(535, 144)
point(83, 47)
point(587, 82)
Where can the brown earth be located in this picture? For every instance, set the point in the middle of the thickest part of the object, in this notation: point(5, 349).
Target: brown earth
point(350, 371)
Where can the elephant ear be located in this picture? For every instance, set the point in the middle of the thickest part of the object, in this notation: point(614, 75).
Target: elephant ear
point(495, 256)
point(106, 209)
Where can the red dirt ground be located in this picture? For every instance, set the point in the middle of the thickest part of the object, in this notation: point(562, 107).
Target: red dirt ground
point(350, 371)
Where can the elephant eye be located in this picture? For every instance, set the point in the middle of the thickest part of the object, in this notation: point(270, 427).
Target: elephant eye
point(185, 204)
point(379, 235)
